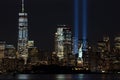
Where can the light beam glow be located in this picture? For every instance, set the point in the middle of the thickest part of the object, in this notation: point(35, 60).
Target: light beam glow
point(84, 19)
point(76, 24)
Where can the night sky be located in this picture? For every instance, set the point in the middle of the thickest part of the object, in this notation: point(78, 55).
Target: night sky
point(44, 15)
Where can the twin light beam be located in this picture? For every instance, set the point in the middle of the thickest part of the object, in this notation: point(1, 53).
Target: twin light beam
point(76, 24)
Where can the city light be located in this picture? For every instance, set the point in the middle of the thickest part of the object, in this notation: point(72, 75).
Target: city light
point(71, 53)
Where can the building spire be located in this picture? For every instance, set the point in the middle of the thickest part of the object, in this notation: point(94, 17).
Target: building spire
point(22, 5)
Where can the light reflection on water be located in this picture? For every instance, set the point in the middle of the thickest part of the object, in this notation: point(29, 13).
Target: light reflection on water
point(61, 77)
point(23, 77)
point(81, 76)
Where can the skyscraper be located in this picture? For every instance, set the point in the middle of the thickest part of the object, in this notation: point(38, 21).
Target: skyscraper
point(63, 41)
point(117, 42)
point(23, 35)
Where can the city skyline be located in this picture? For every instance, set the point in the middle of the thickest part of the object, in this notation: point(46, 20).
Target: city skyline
point(45, 15)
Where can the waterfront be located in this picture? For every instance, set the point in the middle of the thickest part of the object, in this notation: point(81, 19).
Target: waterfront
point(60, 77)
point(66, 50)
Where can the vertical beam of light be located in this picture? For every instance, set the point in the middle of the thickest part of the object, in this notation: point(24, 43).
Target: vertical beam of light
point(84, 19)
point(76, 24)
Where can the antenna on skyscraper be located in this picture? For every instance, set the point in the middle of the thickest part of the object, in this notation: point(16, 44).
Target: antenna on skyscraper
point(22, 5)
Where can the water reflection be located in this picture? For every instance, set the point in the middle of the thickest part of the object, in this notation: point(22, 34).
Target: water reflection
point(77, 77)
point(60, 77)
point(23, 77)
point(80, 76)
point(70, 77)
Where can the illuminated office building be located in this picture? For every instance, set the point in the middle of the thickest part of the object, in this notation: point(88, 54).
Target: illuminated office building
point(106, 39)
point(23, 35)
point(30, 43)
point(103, 51)
point(117, 42)
point(2, 50)
point(104, 45)
point(63, 42)
point(10, 51)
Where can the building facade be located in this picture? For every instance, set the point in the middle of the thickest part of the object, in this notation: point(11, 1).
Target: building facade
point(23, 35)
point(63, 42)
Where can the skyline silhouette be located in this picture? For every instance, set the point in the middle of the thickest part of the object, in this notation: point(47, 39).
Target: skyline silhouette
point(45, 15)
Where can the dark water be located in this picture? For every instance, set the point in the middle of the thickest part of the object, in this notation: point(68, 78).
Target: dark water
point(61, 77)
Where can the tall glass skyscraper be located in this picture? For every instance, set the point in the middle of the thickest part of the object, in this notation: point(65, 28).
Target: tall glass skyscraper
point(23, 35)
